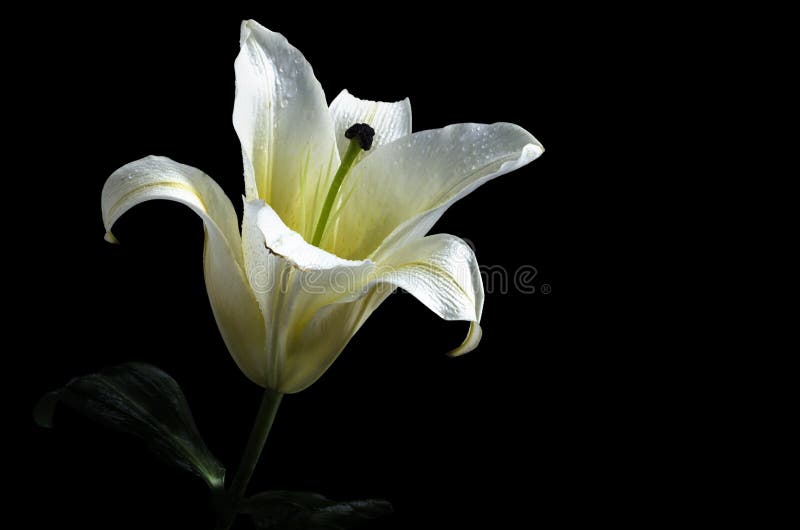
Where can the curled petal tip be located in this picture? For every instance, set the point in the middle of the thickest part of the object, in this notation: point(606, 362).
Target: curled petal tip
point(470, 342)
point(245, 30)
point(110, 238)
point(532, 151)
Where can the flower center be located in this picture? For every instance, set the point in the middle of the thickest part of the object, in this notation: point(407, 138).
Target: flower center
point(360, 136)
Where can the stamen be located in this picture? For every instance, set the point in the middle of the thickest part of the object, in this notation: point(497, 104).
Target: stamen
point(363, 132)
point(360, 136)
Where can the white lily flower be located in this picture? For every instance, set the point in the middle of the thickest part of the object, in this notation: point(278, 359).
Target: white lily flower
point(286, 307)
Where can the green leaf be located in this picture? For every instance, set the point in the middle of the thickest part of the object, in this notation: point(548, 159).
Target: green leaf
point(142, 400)
point(299, 510)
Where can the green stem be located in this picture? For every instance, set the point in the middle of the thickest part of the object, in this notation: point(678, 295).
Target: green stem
point(255, 444)
point(347, 162)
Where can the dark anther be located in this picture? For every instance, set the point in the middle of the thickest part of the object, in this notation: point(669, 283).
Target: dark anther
point(363, 132)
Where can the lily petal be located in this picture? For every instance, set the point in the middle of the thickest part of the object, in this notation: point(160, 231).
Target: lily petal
point(401, 190)
point(232, 301)
point(284, 125)
point(292, 280)
point(440, 271)
point(390, 120)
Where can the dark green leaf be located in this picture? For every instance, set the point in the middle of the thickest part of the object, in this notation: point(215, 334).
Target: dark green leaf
point(298, 510)
point(142, 400)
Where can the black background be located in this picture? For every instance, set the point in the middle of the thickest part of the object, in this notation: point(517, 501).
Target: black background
point(527, 429)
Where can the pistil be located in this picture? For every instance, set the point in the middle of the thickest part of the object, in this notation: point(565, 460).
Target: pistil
point(360, 136)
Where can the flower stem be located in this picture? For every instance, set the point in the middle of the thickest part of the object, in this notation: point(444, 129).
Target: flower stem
point(258, 436)
point(347, 162)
